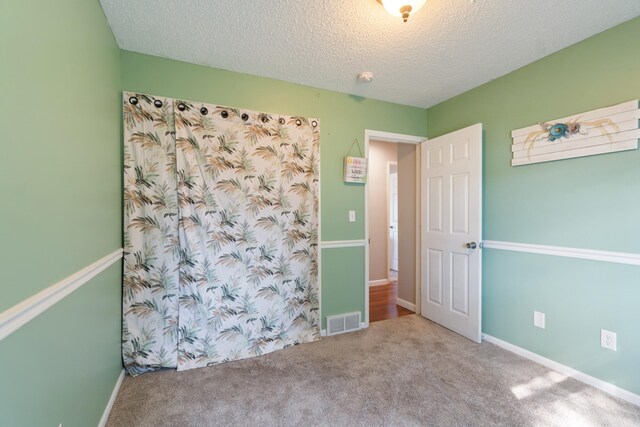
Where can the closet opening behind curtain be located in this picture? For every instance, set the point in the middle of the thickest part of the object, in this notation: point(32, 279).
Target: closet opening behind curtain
point(221, 233)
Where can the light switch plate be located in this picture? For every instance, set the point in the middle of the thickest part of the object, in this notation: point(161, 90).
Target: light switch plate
point(539, 319)
point(352, 216)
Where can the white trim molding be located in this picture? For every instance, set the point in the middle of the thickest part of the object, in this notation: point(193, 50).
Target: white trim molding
point(609, 388)
point(112, 400)
point(330, 244)
point(378, 135)
point(406, 304)
point(378, 282)
point(591, 254)
point(363, 325)
point(21, 313)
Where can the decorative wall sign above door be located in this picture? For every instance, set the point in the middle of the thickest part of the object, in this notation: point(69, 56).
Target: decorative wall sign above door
point(355, 168)
point(606, 130)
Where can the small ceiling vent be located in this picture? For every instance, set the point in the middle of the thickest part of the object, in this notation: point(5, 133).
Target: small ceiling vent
point(342, 323)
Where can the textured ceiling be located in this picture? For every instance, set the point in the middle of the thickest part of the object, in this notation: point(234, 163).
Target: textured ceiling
point(446, 48)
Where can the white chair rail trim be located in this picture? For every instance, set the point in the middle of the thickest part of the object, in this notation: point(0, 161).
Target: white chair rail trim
point(342, 244)
point(21, 313)
point(590, 254)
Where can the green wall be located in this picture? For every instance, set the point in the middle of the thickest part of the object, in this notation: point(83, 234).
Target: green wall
point(590, 202)
point(342, 118)
point(62, 366)
point(60, 186)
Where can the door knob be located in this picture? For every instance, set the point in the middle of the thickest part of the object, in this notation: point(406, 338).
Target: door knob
point(471, 245)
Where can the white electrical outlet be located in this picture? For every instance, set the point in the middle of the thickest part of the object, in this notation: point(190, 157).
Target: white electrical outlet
point(352, 216)
point(608, 340)
point(538, 319)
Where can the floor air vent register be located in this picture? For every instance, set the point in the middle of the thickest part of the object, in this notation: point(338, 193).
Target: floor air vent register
point(342, 323)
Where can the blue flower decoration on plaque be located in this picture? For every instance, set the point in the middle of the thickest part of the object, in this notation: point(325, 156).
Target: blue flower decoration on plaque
point(557, 131)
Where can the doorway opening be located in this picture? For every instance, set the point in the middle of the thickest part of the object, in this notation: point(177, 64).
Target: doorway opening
point(447, 212)
point(391, 209)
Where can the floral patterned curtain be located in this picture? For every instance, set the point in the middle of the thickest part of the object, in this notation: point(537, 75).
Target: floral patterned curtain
point(150, 291)
point(221, 220)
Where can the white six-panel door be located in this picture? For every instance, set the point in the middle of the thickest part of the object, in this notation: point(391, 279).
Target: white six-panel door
point(451, 186)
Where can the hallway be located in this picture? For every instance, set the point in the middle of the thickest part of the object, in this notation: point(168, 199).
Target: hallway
point(382, 302)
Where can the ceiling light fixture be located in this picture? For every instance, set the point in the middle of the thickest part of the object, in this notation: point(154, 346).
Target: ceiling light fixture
point(402, 8)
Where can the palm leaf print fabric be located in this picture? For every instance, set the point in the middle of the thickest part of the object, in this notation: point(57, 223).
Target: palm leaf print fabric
point(248, 220)
point(151, 247)
point(221, 243)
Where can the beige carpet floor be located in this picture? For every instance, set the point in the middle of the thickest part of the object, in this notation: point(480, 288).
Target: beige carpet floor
point(400, 372)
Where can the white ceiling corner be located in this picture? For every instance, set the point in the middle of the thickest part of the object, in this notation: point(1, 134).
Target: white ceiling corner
point(446, 48)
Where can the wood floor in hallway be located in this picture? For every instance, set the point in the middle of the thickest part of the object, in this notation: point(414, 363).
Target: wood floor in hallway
point(382, 303)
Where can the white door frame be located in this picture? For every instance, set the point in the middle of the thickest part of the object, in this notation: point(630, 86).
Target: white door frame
point(377, 135)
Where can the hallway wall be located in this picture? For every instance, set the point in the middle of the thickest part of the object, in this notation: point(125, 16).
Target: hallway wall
point(407, 233)
point(379, 154)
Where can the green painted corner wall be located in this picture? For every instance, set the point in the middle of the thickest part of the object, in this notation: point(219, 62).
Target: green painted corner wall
point(60, 185)
point(590, 202)
point(62, 366)
point(60, 163)
point(342, 119)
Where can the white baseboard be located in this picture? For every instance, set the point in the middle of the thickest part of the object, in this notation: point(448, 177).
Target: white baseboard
point(406, 304)
point(363, 325)
point(570, 372)
point(112, 399)
point(378, 282)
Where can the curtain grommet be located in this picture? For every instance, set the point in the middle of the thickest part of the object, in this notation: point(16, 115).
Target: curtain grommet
point(245, 117)
point(224, 114)
point(298, 122)
point(133, 100)
point(314, 123)
point(281, 120)
point(204, 111)
point(182, 107)
point(264, 119)
point(157, 103)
